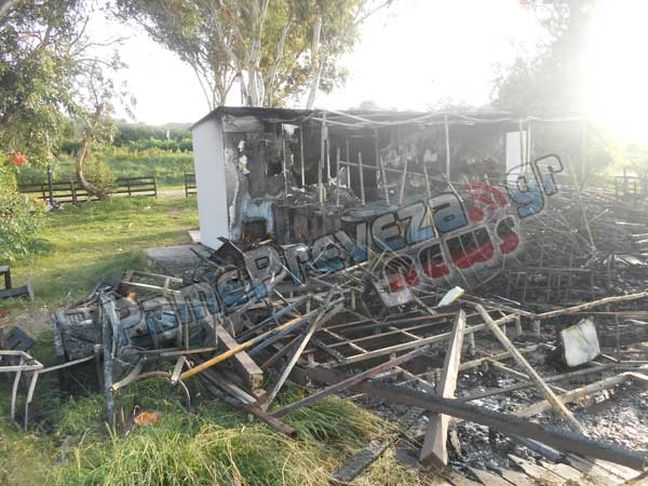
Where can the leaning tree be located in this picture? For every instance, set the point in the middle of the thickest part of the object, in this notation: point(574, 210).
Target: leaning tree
point(51, 77)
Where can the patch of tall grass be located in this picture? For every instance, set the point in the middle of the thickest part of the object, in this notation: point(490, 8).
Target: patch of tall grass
point(211, 445)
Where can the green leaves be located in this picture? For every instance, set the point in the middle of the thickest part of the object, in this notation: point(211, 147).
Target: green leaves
point(268, 48)
point(20, 222)
point(37, 72)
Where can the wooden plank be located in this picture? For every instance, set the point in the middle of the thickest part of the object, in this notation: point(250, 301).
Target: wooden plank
point(550, 379)
point(359, 461)
point(246, 365)
point(588, 305)
point(573, 395)
point(488, 478)
point(538, 473)
point(458, 480)
point(566, 472)
point(292, 324)
point(518, 478)
point(616, 470)
point(533, 374)
point(592, 472)
point(434, 448)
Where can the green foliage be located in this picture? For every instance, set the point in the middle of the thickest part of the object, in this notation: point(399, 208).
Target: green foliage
point(129, 133)
point(273, 50)
point(37, 72)
point(20, 223)
point(101, 175)
point(7, 176)
point(184, 145)
point(168, 167)
point(212, 444)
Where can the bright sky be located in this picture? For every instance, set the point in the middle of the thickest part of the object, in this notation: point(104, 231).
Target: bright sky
point(423, 52)
point(616, 68)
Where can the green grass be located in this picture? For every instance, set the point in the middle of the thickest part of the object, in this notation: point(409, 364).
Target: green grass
point(84, 244)
point(215, 446)
point(211, 444)
point(69, 442)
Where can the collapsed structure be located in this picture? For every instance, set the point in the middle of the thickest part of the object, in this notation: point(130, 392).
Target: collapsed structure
point(397, 255)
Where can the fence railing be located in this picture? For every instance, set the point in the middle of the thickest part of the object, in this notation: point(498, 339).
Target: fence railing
point(73, 192)
point(631, 187)
point(190, 184)
point(136, 186)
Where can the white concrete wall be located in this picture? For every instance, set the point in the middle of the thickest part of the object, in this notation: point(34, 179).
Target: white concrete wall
point(210, 182)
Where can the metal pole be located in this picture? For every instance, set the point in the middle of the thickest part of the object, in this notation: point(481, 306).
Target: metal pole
point(337, 176)
point(328, 159)
point(383, 173)
point(108, 310)
point(284, 162)
point(403, 180)
point(50, 185)
point(320, 165)
point(522, 154)
point(348, 160)
point(320, 175)
point(427, 180)
point(447, 142)
point(362, 187)
point(301, 155)
point(583, 151)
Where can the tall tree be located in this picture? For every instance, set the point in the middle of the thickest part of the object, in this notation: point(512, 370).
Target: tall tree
point(37, 73)
point(272, 50)
point(49, 76)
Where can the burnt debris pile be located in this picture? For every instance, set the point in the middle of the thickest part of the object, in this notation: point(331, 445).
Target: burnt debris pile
point(499, 318)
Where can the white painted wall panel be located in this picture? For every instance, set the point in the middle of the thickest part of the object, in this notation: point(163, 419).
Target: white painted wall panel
point(516, 147)
point(210, 182)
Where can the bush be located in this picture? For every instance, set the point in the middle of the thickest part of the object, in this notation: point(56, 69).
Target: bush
point(101, 176)
point(20, 222)
point(7, 175)
point(20, 219)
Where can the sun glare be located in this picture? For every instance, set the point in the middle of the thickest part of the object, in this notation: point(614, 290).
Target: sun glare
point(617, 69)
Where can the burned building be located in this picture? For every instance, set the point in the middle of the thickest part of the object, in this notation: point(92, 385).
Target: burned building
point(299, 174)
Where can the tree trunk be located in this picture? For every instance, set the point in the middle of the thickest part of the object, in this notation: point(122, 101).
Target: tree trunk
point(90, 188)
point(316, 63)
point(269, 98)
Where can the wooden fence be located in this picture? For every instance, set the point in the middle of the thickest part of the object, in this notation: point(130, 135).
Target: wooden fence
point(190, 184)
point(72, 192)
